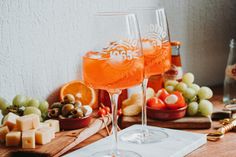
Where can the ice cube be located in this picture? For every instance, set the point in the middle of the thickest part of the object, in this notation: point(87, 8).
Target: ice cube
point(147, 45)
point(95, 56)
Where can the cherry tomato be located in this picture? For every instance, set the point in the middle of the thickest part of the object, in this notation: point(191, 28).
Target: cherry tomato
point(162, 94)
point(175, 101)
point(181, 101)
point(102, 112)
point(107, 109)
point(156, 103)
point(119, 112)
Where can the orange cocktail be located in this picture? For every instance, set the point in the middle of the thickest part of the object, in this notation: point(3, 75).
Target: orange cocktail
point(109, 72)
point(157, 58)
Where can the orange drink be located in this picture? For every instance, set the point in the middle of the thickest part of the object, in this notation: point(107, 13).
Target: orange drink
point(102, 71)
point(157, 59)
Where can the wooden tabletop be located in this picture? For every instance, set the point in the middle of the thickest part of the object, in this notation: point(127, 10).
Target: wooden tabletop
point(222, 148)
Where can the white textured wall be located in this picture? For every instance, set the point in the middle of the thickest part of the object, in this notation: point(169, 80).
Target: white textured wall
point(41, 40)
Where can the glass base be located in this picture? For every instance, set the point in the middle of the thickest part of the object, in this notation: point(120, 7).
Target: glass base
point(143, 137)
point(120, 153)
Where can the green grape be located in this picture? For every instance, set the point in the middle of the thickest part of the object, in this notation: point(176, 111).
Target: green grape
point(195, 87)
point(40, 119)
point(32, 110)
point(205, 107)
point(3, 104)
point(5, 112)
point(33, 103)
point(192, 109)
point(189, 93)
point(188, 78)
point(44, 116)
point(2, 121)
point(27, 101)
point(19, 100)
point(194, 99)
point(181, 87)
point(205, 93)
point(43, 106)
point(170, 89)
point(171, 83)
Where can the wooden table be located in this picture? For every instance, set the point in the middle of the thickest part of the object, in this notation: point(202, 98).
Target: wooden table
point(226, 147)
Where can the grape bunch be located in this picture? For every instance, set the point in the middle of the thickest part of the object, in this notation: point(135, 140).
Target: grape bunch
point(24, 105)
point(195, 96)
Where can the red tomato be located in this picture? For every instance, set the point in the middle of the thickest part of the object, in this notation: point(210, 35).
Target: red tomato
point(162, 94)
point(107, 109)
point(102, 112)
point(119, 112)
point(156, 103)
point(171, 101)
point(177, 99)
point(181, 101)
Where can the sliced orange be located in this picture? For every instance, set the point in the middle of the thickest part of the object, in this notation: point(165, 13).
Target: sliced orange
point(81, 92)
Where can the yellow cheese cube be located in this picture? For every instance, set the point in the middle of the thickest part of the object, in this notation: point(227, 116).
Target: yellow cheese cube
point(43, 135)
point(3, 132)
point(10, 120)
point(27, 122)
point(28, 139)
point(47, 126)
point(54, 124)
point(13, 138)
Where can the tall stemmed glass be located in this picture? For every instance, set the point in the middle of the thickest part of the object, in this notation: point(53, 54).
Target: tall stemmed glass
point(157, 58)
point(114, 62)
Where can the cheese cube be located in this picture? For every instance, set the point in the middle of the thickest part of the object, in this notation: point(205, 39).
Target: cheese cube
point(52, 132)
point(54, 124)
point(42, 125)
point(10, 120)
point(28, 139)
point(27, 122)
point(13, 138)
point(43, 135)
point(3, 132)
point(46, 125)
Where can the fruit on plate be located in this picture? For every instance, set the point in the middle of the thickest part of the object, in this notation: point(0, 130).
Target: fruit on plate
point(175, 101)
point(24, 105)
point(205, 93)
point(80, 92)
point(205, 107)
point(150, 93)
point(192, 108)
point(162, 94)
point(156, 103)
point(133, 105)
point(166, 101)
point(195, 96)
point(69, 107)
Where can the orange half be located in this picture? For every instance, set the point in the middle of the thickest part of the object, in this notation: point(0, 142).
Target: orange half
point(81, 92)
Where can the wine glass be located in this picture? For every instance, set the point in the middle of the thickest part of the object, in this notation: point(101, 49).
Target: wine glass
point(114, 62)
point(157, 60)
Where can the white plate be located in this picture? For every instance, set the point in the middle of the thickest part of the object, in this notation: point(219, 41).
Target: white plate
point(178, 144)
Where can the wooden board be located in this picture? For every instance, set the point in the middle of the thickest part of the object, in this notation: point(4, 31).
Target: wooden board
point(63, 142)
point(183, 123)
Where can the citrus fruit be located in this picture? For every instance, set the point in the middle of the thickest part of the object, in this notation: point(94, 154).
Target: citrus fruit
point(81, 92)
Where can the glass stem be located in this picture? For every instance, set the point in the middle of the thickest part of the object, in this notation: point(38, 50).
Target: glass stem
point(114, 103)
point(144, 109)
